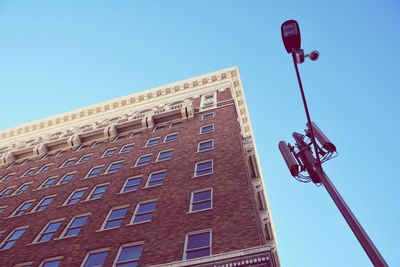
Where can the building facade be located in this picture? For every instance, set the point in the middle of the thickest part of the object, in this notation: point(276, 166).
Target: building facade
point(164, 177)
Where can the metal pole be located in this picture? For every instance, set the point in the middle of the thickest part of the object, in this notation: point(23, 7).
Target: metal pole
point(306, 109)
point(368, 246)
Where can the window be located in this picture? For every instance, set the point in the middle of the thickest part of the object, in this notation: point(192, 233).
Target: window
point(68, 162)
point(23, 208)
point(201, 200)
point(22, 188)
point(156, 178)
point(131, 184)
point(197, 244)
point(171, 138)
point(114, 167)
point(175, 124)
point(207, 116)
point(49, 182)
point(60, 153)
point(97, 192)
point(95, 258)
point(97, 144)
point(48, 231)
point(115, 218)
point(12, 238)
point(85, 158)
point(164, 155)
point(7, 177)
point(205, 146)
point(75, 225)
point(208, 101)
point(67, 178)
point(159, 127)
point(25, 264)
point(143, 160)
point(207, 129)
point(128, 255)
point(109, 152)
point(204, 168)
point(134, 134)
point(83, 146)
point(45, 168)
point(2, 209)
point(153, 141)
point(126, 148)
point(7, 191)
point(75, 197)
point(144, 212)
point(30, 172)
point(54, 262)
point(44, 203)
point(94, 171)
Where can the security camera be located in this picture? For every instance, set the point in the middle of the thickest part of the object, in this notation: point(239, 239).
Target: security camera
point(313, 55)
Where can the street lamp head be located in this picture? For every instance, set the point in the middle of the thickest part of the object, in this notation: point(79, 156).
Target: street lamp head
point(291, 36)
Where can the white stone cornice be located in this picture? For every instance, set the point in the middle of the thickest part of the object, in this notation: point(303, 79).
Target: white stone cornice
point(124, 108)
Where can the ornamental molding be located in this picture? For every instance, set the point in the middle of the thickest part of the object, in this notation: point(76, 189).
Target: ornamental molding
point(124, 109)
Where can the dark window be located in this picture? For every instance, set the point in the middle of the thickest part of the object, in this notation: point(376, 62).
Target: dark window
point(6, 191)
point(23, 208)
point(68, 162)
point(49, 231)
point(44, 203)
point(207, 116)
point(198, 245)
point(49, 182)
point(75, 197)
point(129, 256)
point(126, 148)
point(156, 178)
point(152, 142)
point(207, 129)
point(203, 168)
point(115, 218)
point(206, 145)
point(114, 167)
point(143, 160)
point(67, 178)
point(22, 189)
point(85, 158)
point(95, 171)
point(109, 152)
point(164, 155)
point(132, 184)
point(10, 241)
point(98, 192)
point(96, 259)
point(144, 212)
point(171, 138)
point(76, 225)
point(201, 200)
point(52, 263)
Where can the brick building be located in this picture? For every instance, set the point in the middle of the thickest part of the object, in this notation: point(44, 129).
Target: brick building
point(164, 177)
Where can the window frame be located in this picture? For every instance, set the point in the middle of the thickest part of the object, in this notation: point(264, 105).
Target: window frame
point(6, 239)
point(67, 227)
point(7, 177)
point(103, 225)
point(91, 169)
point(124, 146)
point(156, 172)
point(132, 221)
point(201, 131)
point(205, 141)
point(14, 213)
point(41, 233)
point(203, 116)
point(107, 171)
point(166, 150)
point(44, 166)
point(63, 165)
point(200, 162)
point(94, 251)
point(133, 244)
point(171, 134)
point(209, 230)
point(104, 155)
point(62, 178)
point(88, 198)
point(34, 209)
point(7, 188)
point(79, 161)
point(25, 174)
point(142, 156)
point(69, 198)
point(43, 262)
point(45, 181)
point(152, 139)
point(140, 177)
point(198, 191)
point(20, 187)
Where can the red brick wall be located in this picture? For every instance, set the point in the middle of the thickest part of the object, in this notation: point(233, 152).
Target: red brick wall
point(233, 219)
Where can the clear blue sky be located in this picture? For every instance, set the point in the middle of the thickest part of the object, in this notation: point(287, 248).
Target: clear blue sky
point(56, 56)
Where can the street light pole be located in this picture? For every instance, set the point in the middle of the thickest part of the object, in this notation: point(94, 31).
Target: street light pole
point(301, 155)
